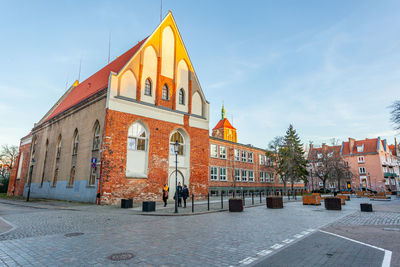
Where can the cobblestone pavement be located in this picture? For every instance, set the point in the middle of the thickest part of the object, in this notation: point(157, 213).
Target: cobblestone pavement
point(215, 239)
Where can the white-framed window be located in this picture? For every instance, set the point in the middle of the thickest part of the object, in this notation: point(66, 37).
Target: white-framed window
point(261, 159)
point(360, 148)
point(244, 156)
point(272, 177)
point(222, 152)
point(137, 137)
point(237, 175)
point(319, 164)
point(96, 137)
point(250, 157)
point(147, 87)
point(261, 177)
point(384, 169)
point(244, 175)
point(213, 173)
point(361, 159)
point(251, 176)
point(165, 92)
point(75, 144)
point(346, 163)
point(176, 137)
point(383, 159)
point(237, 154)
point(222, 174)
point(330, 154)
point(362, 170)
point(319, 155)
point(267, 177)
point(213, 151)
point(181, 97)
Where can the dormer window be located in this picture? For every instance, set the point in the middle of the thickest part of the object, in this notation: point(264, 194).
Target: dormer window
point(360, 148)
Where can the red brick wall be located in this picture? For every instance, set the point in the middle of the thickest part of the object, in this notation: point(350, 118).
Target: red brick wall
point(16, 186)
point(115, 185)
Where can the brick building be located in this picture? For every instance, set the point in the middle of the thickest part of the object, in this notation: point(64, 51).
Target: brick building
point(236, 167)
point(373, 163)
point(110, 135)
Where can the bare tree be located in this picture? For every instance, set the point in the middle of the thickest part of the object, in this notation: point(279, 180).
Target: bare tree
point(274, 155)
point(395, 114)
point(9, 154)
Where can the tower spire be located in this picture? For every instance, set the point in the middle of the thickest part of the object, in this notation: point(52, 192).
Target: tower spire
point(223, 112)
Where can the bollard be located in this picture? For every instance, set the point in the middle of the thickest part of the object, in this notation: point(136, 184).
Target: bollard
point(222, 200)
point(244, 200)
point(208, 201)
point(260, 198)
point(252, 198)
point(192, 203)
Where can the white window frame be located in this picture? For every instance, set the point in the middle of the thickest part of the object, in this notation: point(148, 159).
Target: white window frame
point(361, 159)
point(360, 148)
point(213, 152)
point(244, 153)
point(244, 175)
point(237, 155)
point(362, 170)
point(261, 159)
point(213, 175)
point(222, 174)
point(319, 155)
point(272, 175)
point(250, 157)
point(267, 177)
point(251, 177)
point(238, 177)
point(261, 177)
point(222, 152)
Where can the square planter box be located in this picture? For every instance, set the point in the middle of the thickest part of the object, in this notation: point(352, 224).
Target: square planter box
point(126, 203)
point(274, 202)
point(366, 207)
point(235, 205)
point(149, 206)
point(333, 203)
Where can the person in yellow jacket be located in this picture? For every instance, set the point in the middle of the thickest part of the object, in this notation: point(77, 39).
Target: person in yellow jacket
point(165, 191)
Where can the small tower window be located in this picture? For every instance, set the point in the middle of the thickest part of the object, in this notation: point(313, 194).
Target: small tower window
point(165, 92)
point(147, 87)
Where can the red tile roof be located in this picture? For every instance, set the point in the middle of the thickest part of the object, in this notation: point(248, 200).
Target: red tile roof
point(224, 124)
point(392, 149)
point(370, 146)
point(322, 149)
point(95, 83)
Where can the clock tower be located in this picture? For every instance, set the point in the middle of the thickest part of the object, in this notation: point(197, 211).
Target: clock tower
point(224, 129)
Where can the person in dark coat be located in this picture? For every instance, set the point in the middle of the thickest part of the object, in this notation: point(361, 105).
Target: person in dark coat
point(165, 191)
point(179, 193)
point(185, 194)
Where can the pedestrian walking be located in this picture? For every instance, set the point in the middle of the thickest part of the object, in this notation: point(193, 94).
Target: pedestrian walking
point(165, 191)
point(179, 193)
point(185, 194)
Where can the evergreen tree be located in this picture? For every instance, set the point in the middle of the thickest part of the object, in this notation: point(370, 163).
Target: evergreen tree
point(293, 163)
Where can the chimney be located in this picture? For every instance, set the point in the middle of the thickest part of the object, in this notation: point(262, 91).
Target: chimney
point(351, 144)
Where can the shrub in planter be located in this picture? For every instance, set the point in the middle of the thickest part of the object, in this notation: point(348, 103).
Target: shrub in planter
point(274, 202)
point(235, 205)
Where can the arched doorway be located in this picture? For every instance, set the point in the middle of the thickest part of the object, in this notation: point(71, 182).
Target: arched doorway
point(171, 183)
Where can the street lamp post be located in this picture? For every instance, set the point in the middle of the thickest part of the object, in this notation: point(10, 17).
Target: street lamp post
point(176, 150)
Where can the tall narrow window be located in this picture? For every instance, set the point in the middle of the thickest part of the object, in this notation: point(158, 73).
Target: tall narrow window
point(55, 177)
point(237, 154)
point(75, 144)
point(213, 151)
point(261, 177)
point(222, 152)
point(71, 177)
point(174, 138)
point(44, 163)
point(147, 87)
point(237, 175)
point(96, 137)
point(244, 175)
point(165, 92)
point(213, 173)
point(59, 145)
point(181, 97)
point(251, 176)
point(222, 174)
point(137, 137)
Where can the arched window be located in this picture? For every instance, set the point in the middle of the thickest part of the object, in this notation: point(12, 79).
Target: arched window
point(59, 145)
point(137, 137)
point(96, 136)
point(165, 92)
point(75, 144)
point(182, 96)
point(147, 87)
point(177, 136)
point(71, 177)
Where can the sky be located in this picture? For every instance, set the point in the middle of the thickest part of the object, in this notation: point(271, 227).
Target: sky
point(330, 68)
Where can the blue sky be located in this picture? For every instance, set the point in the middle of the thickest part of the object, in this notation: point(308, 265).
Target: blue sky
point(330, 68)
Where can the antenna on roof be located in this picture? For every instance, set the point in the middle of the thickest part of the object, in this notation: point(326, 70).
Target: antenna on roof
point(109, 47)
point(80, 65)
point(161, 11)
